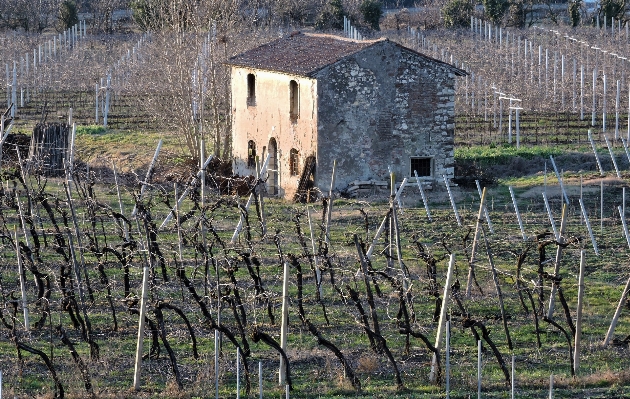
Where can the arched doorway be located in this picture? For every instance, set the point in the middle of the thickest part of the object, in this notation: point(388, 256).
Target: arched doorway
point(272, 168)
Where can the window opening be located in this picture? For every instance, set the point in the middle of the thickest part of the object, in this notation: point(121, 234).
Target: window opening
point(251, 154)
point(251, 89)
point(422, 166)
point(294, 109)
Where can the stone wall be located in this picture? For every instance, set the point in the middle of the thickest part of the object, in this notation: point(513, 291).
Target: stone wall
point(380, 107)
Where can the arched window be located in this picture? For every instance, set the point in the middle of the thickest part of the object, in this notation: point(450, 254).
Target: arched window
point(251, 154)
point(294, 162)
point(251, 89)
point(294, 98)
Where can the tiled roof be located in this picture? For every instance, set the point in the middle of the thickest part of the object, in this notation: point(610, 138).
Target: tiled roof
point(300, 53)
point(306, 53)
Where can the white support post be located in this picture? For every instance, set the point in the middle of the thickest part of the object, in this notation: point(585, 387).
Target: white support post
point(442, 320)
point(578, 315)
point(556, 271)
point(330, 203)
point(617, 110)
point(448, 360)
point(612, 156)
point(479, 369)
point(260, 380)
point(140, 342)
point(518, 215)
point(588, 227)
point(615, 319)
point(239, 226)
point(594, 109)
point(485, 208)
point(450, 196)
point(559, 177)
point(599, 164)
point(553, 224)
point(284, 326)
point(27, 325)
point(318, 273)
point(424, 197)
point(604, 103)
point(475, 243)
point(581, 92)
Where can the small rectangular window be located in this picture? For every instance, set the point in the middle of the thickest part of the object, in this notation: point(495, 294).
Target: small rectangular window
point(251, 90)
point(422, 166)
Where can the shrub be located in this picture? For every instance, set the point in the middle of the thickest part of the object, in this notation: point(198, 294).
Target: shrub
point(456, 13)
point(372, 12)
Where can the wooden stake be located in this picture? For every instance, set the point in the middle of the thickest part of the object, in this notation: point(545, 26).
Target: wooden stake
point(442, 320)
point(140, 342)
point(284, 327)
point(485, 209)
point(578, 321)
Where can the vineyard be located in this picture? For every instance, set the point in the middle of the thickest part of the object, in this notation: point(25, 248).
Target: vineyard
point(236, 295)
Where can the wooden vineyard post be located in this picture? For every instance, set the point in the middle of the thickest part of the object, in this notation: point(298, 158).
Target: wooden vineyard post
point(588, 227)
point(140, 342)
point(284, 327)
point(578, 315)
point(330, 203)
point(450, 196)
point(485, 208)
point(27, 326)
point(495, 279)
point(442, 320)
point(318, 273)
point(561, 241)
point(518, 215)
point(424, 197)
point(474, 244)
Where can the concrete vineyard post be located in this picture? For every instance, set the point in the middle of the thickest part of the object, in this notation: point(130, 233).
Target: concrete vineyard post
point(518, 215)
point(617, 111)
point(318, 275)
point(238, 373)
point(424, 197)
point(141, 323)
point(260, 380)
point(450, 196)
point(284, 326)
point(594, 109)
point(553, 224)
point(147, 178)
point(239, 226)
point(448, 359)
point(559, 177)
point(27, 325)
point(599, 164)
point(612, 156)
point(578, 315)
point(475, 244)
point(479, 369)
point(442, 320)
point(588, 227)
point(330, 203)
point(561, 241)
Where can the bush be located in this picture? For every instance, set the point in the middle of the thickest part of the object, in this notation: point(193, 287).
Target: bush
point(372, 12)
point(331, 16)
point(574, 12)
point(68, 15)
point(495, 9)
point(517, 14)
point(456, 13)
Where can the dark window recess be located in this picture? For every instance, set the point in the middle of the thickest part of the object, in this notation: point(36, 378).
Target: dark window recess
point(294, 100)
point(251, 154)
point(251, 89)
point(294, 162)
point(422, 166)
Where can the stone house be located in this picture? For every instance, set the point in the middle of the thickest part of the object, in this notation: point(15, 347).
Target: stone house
point(309, 99)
